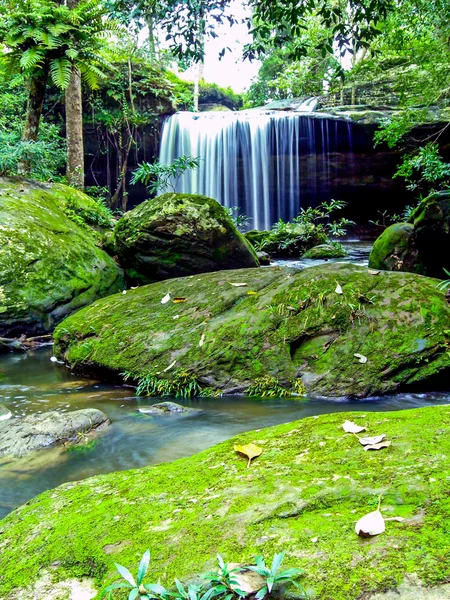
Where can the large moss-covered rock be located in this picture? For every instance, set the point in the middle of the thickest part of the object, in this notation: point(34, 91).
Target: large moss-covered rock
point(396, 250)
point(303, 495)
point(420, 246)
point(324, 251)
point(50, 264)
point(231, 330)
point(179, 234)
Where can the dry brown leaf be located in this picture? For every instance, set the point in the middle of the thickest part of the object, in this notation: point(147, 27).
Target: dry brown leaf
point(371, 524)
point(249, 450)
point(379, 446)
point(369, 441)
point(350, 427)
point(179, 300)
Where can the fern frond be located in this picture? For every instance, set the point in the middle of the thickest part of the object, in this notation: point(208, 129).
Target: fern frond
point(31, 57)
point(60, 72)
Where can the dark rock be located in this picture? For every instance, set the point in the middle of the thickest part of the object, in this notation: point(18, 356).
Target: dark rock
point(264, 258)
point(21, 436)
point(180, 234)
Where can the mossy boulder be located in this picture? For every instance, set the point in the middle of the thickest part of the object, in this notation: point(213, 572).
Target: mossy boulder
point(50, 264)
point(396, 250)
point(324, 251)
point(231, 329)
point(419, 246)
point(303, 495)
point(175, 235)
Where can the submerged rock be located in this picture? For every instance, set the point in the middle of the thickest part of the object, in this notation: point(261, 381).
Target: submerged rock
point(165, 408)
point(179, 234)
point(20, 436)
point(303, 496)
point(259, 328)
point(50, 265)
point(420, 246)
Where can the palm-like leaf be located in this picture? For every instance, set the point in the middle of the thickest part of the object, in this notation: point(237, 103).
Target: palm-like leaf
point(60, 72)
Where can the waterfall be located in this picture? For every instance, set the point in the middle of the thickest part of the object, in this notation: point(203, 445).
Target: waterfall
point(268, 163)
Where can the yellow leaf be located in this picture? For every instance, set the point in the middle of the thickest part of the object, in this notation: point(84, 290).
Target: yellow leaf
point(251, 292)
point(178, 300)
point(249, 450)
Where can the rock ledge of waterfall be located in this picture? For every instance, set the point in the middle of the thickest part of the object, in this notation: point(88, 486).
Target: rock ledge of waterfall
point(303, 495)
point(342, 329)
point(20, 436)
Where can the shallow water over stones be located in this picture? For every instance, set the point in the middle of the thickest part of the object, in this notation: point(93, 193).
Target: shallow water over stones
point(34, 384)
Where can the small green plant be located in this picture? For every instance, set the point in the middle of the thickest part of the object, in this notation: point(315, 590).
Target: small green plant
point(241, 220)
point(224, 582)
point(425, 170)
point(160, 178)
point(444, 285)
point(181, 384)
point(138, 589)
point(273, 576)
point(267, 387)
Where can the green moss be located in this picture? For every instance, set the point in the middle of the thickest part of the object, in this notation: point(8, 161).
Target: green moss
point(179, 234)
point(275, 322)
point(331, 250)
point(303, 495)
point(49, 266)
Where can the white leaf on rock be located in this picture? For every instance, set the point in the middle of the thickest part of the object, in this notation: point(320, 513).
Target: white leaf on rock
point(379, 446)
point(166, 299)
point(237, 284)
point(375, 439)
point(350, 427)
point(202, 340)
point(170, 366)
point(362, 358)
point(338, 289)
point(371, 524)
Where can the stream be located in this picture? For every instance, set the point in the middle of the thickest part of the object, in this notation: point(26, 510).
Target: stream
point(32, 384)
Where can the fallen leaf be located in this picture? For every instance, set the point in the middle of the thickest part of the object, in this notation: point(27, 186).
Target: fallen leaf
point(368, 441)
point(251, 293)
point(202, 340)
point(249, 450)
point(373, 272)
point(179, 300)
point(379, 446)
point(166, 299)
point(362, 358)
point(237, 284)
point(176, 317)
point(370, 524)
point(338, 289)
point(350, 427)
point(314, 540)
point(124, 292)
point(170, 366)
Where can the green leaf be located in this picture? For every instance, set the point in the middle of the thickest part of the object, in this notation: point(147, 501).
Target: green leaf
point(133, 594)
point(115, 586)
point(60, 72)
point(143, 566)
point(126, 574)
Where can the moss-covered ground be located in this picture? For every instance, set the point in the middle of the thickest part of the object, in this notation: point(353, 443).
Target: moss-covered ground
point(303, 495)
point(231, 328)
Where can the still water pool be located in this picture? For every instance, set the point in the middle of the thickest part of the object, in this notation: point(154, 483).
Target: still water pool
point(33, 384)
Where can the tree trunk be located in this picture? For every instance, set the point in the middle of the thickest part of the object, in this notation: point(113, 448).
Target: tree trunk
point(74, 131)
point(36, 93)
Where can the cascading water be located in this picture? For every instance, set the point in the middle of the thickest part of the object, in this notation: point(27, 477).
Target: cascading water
point(268, 163)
